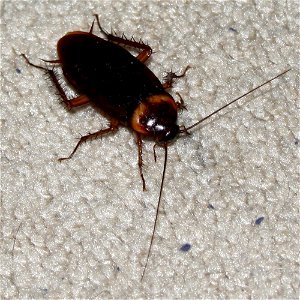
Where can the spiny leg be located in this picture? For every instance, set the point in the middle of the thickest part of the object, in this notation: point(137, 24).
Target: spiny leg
point(169, 78)
point(142, 56)
point(113, 127)
point(140, 161)
point(145, 54)
point(70, 103)
point(77, 101)
point(180, 104)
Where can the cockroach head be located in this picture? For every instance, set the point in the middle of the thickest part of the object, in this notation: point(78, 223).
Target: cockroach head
point(167, 133)
point(157, 118)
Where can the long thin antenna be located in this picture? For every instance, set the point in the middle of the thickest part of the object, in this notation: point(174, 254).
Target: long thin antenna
point(157, 209)
point(216, 111)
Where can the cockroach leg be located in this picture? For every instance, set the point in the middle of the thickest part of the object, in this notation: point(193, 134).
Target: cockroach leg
point(100, 27)
point(143, 56)
point(169, 78)
point(78, 101)
point(33, 65)
point(114, 124)
point(53, 61)
point(140, 161)
point(180, 104)
point(70, 103)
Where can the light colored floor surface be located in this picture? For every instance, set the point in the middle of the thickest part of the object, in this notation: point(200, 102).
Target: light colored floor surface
point(81, 228)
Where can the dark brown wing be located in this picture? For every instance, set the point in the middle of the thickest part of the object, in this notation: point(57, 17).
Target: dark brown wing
point(107, 73)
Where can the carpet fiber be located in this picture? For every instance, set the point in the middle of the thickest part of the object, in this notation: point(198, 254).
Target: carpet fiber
point(81, 228)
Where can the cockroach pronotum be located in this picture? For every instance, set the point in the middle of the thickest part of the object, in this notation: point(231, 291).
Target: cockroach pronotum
point(107, 75)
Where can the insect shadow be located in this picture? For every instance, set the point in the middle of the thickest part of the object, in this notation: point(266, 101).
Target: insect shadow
point(104, 73)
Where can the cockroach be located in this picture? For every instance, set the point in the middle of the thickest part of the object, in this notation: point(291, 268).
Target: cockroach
point(104, 73)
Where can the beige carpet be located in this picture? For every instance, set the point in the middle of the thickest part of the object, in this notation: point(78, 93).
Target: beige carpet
point(81, 229)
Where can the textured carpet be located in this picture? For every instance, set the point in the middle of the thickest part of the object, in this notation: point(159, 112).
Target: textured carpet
point(81, 228)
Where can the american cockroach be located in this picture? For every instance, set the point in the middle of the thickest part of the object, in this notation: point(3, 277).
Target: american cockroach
point(107, 75)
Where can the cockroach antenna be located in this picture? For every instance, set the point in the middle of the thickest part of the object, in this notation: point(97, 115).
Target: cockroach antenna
point(185, 130)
